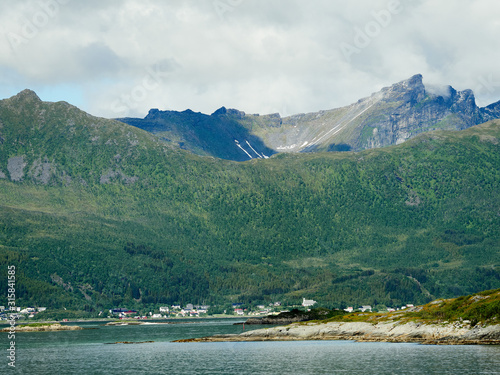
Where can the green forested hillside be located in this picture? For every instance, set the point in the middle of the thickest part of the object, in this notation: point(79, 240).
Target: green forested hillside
point(95, 214)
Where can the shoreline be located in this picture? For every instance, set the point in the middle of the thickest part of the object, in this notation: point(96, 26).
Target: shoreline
point(421, 333)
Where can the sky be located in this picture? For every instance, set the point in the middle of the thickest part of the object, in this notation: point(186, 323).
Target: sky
point(119, 58)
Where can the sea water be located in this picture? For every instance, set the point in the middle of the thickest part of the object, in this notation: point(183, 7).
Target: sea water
point(96, 351)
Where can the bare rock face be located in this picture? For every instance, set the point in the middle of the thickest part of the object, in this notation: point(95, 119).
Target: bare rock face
point(41, 171)
point(15, 166)
point(415, 109)
point(108, 176)
point(450, 334)
point(491, 112)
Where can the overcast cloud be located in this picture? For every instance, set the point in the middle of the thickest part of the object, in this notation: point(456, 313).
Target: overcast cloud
point(120, 58)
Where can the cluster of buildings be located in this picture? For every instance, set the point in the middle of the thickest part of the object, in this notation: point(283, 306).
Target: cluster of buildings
point(19, 312)
point(165, 312)
point(190, 310)
point(368, 308)
point(257, 311)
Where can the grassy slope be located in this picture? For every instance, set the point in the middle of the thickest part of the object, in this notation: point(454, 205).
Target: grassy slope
point(482, 308)
point(397, 225)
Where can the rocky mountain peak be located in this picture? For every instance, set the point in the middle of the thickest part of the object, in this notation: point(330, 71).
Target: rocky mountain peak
point(27, 96)
point(231, 112)
point(410, 90)
point(464, 101)
point(413, 82)
point(220, 111)
point(153, 113)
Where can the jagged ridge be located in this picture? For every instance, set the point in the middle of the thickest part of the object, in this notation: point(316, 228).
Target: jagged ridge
point(390, 116)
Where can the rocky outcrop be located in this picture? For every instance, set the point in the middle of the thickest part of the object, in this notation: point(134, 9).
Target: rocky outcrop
point(15, 166)
point(414, 109)
point(110, 175)
point(230, 112)
point(41, 171)
point(451, 334)
point(491, 112)
point(44, 328)
point(274, 321)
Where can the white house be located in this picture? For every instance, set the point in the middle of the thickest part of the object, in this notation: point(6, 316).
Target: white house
point(308, 302)
point(28, 310)
point(366, 308)
point(350, 309)
point(164, 309)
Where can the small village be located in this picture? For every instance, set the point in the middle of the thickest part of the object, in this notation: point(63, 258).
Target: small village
point(191, 311)
point(20, 312)
point(237, 309)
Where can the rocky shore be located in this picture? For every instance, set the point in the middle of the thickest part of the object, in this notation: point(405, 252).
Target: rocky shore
point(276, 320)
point(44, 328)
point(444, 334)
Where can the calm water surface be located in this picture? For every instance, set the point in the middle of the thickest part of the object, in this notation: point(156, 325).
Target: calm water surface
point(89, 352)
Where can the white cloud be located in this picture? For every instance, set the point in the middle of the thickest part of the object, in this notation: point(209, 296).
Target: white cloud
point(255, 55)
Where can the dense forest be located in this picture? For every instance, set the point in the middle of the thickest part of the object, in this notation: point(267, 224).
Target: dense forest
point(96, 214)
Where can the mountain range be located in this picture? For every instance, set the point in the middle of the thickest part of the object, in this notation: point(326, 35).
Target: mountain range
point(388, 117)
point(95, 214)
